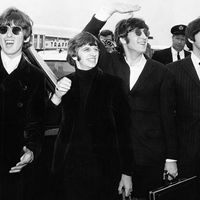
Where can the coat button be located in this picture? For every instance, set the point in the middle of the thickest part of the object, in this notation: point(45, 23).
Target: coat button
point(25, 87)
point(20, 104)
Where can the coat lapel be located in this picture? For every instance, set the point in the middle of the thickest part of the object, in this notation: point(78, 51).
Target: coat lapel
point(148, 69)
point(18, 79)
point(190, 69)
point(169, 55)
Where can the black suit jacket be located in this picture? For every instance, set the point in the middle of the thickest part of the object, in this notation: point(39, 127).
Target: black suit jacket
point(151, 99)
point(22, 104)
point(187, 109)
point(107, 118)
point(165, 56)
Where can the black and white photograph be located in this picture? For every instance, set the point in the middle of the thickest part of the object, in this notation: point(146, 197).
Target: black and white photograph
point(100, 100)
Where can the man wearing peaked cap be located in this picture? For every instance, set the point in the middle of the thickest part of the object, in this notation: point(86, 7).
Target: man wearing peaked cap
point(178, 29)
point(176, 51)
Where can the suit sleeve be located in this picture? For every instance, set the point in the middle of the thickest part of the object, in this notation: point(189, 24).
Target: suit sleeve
point(122, 121)
point(34, 129)
point(94, 26)
point(167, 99)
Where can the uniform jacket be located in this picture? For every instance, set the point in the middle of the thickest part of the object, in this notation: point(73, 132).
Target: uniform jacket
point(187, 108)
point(165, 56)
point(107, 118)
point(151, 99)
point(21, 112)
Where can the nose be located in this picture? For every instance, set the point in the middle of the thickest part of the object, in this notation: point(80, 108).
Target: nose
point(9, 32)
point(94, 52)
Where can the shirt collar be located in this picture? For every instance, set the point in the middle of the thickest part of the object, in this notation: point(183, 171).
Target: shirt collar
point(10, 64)
point(141, 62)
point(174, 52)
point(195, 59)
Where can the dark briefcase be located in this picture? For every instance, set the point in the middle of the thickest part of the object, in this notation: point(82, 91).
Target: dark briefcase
point(181, 189)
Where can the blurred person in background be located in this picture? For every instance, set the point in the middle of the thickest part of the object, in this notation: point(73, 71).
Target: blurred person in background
point(107, 38)
point(176, 51)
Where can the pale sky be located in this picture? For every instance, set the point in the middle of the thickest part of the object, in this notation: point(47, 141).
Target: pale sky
point(160, 15)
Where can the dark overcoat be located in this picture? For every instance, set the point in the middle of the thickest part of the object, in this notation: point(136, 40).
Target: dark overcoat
point(22, 103)
point(165, 55)
point(107, 119)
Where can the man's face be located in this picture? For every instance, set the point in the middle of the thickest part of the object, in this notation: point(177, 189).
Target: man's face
point(108, 42)
point(178, 42)
point(196, 43)
point(137, 40)
point(108, 37)
point(87, 57)
point(11, 39)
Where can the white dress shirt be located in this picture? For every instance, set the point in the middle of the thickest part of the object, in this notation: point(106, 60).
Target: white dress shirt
point(136, 70)
point(175, 53)
point(10, 64)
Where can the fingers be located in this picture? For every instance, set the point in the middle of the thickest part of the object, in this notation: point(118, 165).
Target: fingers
point(169, 176)
point(124, 190)
point(19, 166)
point(62, 87)
point(26, 158)
point(128, 191)
point(126, 8)
point(64, 84)
point(120, 188)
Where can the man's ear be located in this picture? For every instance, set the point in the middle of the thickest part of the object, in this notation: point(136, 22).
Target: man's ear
point(74, 58)
point(122, 40)
point(191, 41)
point(27, 39)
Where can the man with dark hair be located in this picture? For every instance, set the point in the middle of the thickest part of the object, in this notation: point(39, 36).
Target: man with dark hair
point(22, 103)
point(150, 92)
point(107, 38)
point(176, 51)
point(187, 84)
point(106, 35)
point(91, 151)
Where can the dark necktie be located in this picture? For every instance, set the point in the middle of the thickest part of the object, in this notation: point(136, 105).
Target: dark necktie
point(178, 56)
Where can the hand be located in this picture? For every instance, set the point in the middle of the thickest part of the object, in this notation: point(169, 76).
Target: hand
point(171, 168)
point(126, 183)
point(124, 8)
point(62, 87)
point(26, 158)
point(107, 11)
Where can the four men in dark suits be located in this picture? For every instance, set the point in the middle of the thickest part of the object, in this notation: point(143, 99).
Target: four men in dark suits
point(187, 90)
point(176, 51)
point(149, 85)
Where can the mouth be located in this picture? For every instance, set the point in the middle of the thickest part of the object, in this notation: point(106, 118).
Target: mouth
point(143, 44)
point(92, 59)
point(9, 43)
